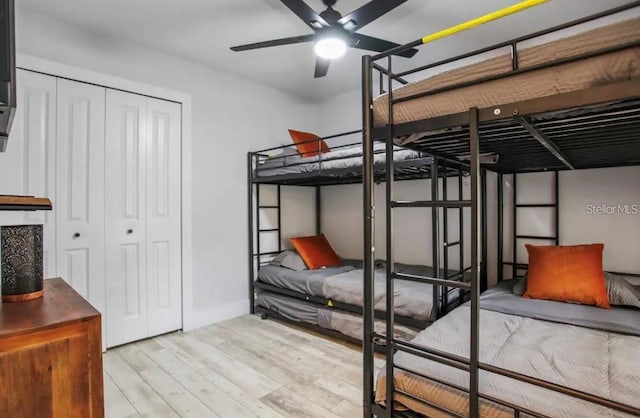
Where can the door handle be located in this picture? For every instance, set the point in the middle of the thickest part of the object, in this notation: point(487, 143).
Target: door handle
point(76, 235)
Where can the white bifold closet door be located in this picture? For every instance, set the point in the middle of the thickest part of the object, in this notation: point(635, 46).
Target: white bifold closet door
point(28, 165)
point(142, 193)
point(80, 179)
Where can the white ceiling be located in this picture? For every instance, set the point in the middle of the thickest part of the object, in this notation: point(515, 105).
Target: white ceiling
point(203, 30)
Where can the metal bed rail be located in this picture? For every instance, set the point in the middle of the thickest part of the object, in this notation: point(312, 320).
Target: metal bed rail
point(333, 304)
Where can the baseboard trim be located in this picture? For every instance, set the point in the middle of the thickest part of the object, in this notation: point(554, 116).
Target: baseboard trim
point(206, 317)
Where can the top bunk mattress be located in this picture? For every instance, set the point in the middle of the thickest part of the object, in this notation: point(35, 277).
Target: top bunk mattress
point(621, 65)
point(340, 159)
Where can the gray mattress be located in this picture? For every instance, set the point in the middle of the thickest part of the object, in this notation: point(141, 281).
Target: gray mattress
point(344, 284)
point(342, 158)
point(346, 323)
point(586, 348)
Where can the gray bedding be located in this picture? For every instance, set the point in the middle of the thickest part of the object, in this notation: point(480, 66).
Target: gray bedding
point(346, 323)
point(586, 348)
point(306, 281)
point(619, 319)
point(344, 284)
point(341, 158)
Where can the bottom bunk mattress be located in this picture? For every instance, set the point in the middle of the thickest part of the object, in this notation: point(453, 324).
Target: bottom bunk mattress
point(346, 323)
point(589, 349)
point(345, 284)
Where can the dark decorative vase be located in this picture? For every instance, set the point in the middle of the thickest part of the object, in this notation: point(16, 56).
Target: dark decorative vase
point(21, 255)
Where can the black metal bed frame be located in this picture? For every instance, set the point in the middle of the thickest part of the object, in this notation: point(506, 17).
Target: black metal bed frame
point(424, 167)
point(604, 135)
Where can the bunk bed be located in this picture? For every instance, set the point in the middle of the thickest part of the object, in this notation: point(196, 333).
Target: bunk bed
point(329, 300)
point(561, 99)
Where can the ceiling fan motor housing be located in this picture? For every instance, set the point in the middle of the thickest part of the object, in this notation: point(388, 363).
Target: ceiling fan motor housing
point(331, 16)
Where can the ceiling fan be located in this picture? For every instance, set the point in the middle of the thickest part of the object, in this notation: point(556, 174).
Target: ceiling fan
point(334, 33)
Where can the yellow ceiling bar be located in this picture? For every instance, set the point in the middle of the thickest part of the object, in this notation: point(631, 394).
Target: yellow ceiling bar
point(523, 5)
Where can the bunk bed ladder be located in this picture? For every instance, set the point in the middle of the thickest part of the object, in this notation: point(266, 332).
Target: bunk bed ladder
point(260, 231)
point(517, 237)
point(255, 231)
point(443, 306)
point(388, 342)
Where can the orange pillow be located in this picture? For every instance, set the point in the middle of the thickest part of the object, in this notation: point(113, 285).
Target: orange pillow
point(315, 251)
point(567, 274)
point(305, 148)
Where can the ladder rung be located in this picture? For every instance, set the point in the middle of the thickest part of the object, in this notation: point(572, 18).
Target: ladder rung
point(452, 244)
point(430, 203)
point(518, 265)
point(535, 237)
point(269, 253)
point(269, 230)
point(459, 274)
point(269, 207)
point(431, 280)
point(536, 205)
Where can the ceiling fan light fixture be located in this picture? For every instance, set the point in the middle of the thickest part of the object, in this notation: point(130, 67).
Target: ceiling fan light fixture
point(330, 48)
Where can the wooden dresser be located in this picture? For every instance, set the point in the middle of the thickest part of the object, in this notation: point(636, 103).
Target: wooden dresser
point(51, 356)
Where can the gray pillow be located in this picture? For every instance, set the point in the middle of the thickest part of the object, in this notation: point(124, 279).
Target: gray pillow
point(620, 291)
point(280, 160)
point(520, 286)
point(290, 260)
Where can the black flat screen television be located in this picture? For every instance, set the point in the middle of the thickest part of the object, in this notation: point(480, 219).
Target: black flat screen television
point(7, 70)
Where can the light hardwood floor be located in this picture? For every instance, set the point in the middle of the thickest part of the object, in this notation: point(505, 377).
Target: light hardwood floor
point(244, 367)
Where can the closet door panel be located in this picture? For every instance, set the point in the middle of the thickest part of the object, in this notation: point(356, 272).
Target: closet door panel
point(163, 217)
point(126, 271)
point(28, 165)
point(80, 185)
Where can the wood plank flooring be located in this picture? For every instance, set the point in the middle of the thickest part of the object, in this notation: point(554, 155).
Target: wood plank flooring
point(244, 367)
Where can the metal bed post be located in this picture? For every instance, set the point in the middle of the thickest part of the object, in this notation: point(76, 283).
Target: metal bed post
point(445, 239)
point(278, 191)
point(318, 210)
point(474, 404)
point(258, 249)
point(389, 238)
point(485, 234)
point(500, 227)
point(368, 229)
point(251, 230)
point(557, 208)
point(435, 233)
point(461, 229)
point(515, 227)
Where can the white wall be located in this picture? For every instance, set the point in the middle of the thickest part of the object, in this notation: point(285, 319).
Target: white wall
point(342, 208)
point(581, 191)
point(231, 116)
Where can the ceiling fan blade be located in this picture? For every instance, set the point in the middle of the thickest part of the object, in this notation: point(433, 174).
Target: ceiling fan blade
point(275, 42)
point(322, 67)
point(370, 43)
point(306, 13)
point(368, 13)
